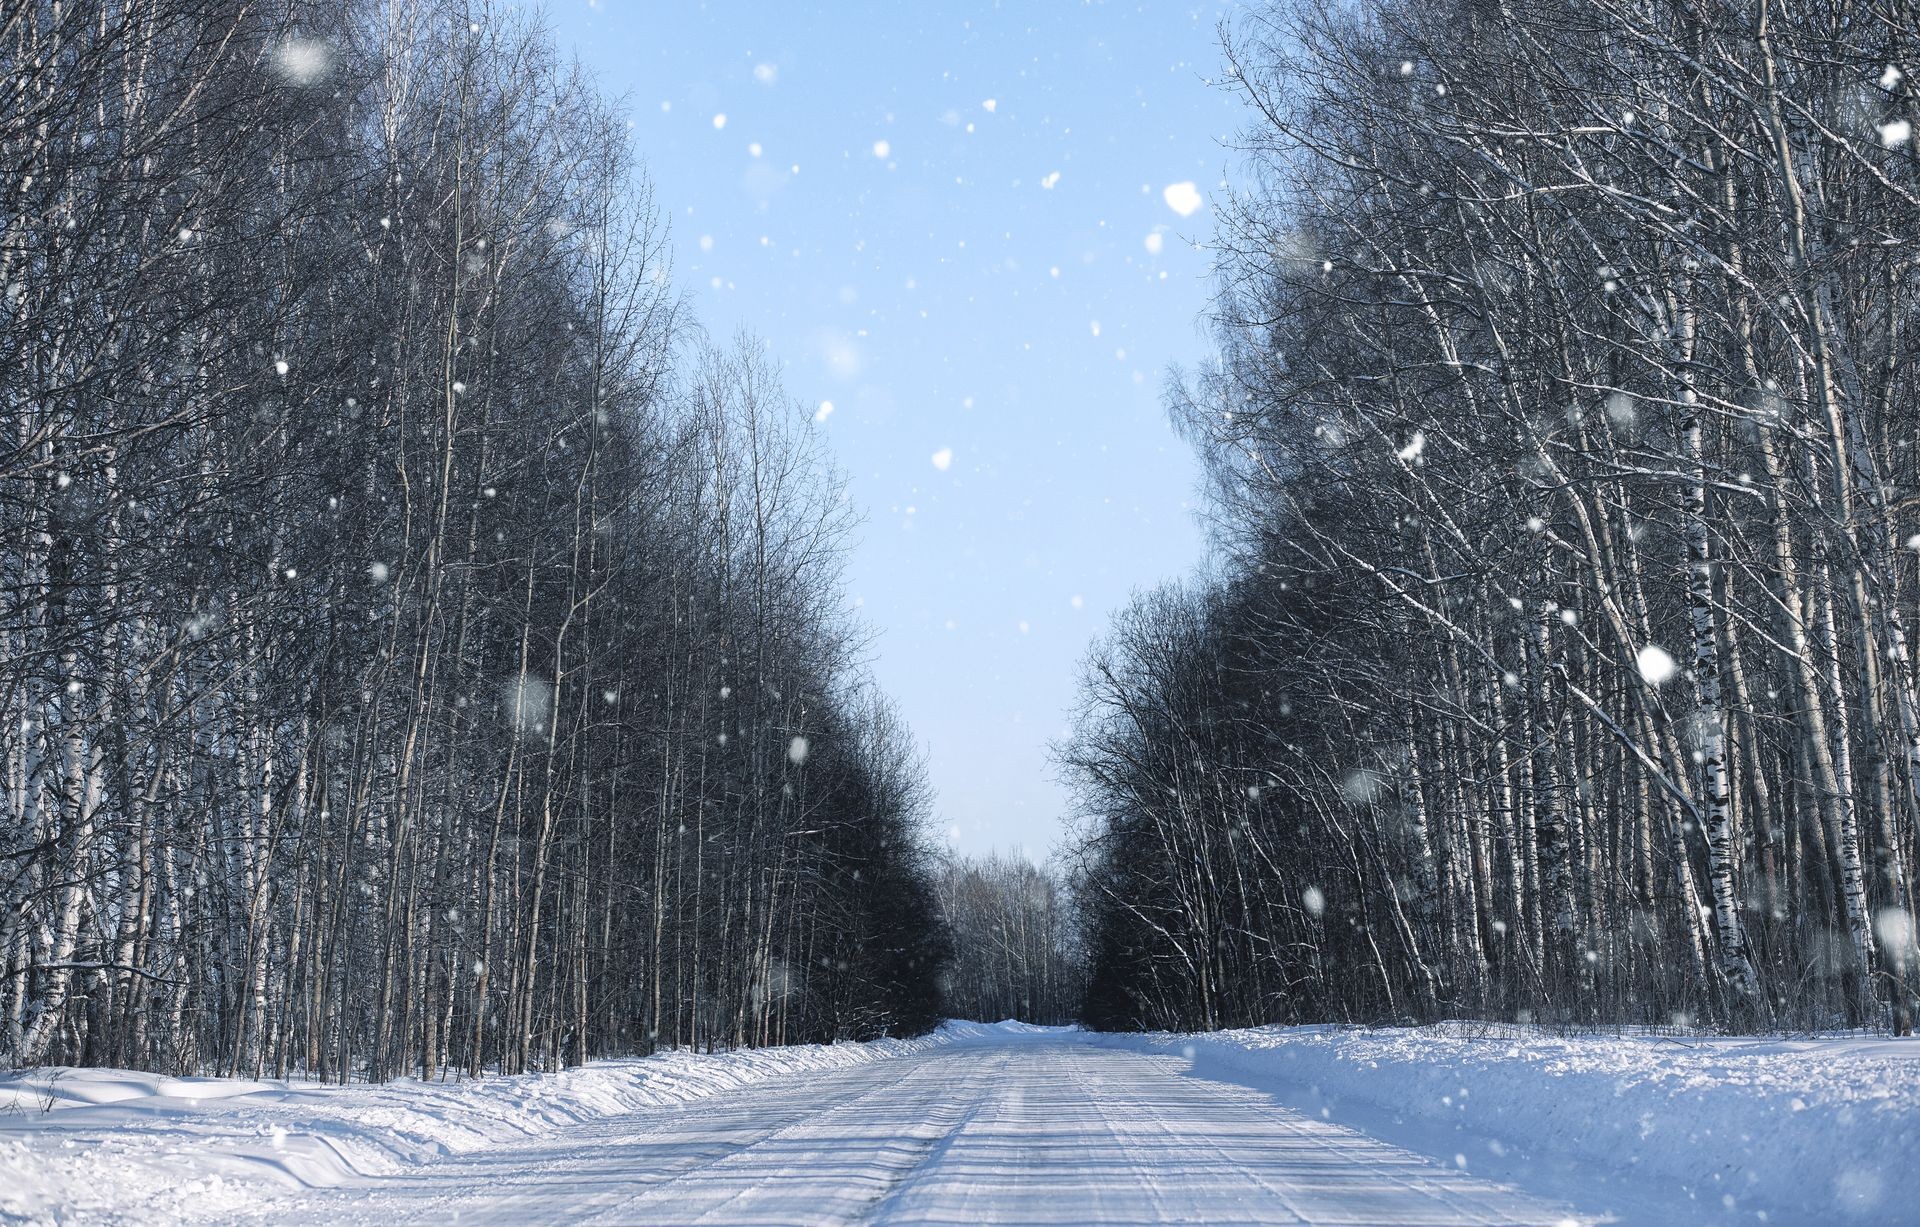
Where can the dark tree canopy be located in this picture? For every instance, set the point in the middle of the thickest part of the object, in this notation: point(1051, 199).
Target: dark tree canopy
point(421, 648)
point(1562, 445)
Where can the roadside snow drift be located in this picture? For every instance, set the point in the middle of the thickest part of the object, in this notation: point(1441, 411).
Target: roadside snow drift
point(108, 1145)
point(1737, 1130)
point(1634, 1129)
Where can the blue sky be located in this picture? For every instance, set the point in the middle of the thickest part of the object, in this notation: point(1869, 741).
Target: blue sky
point(961, 226)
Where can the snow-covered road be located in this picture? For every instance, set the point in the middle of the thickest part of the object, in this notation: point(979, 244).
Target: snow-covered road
point(1047, 1128)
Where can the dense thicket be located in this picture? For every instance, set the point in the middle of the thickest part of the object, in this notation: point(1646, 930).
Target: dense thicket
point(1563, 436)
point(1015, 943)
point(420, 650)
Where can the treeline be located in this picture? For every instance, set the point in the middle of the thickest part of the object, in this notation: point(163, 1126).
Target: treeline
point(1562, 447)
point(420, 650)
point(1015, 937)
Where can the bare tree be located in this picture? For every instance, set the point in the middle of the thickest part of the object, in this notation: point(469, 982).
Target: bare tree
point(1562, 403)
point(424, 651)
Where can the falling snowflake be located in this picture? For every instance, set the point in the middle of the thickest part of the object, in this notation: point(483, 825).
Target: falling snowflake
point(528, 701)
point(1895, 929)
point(1183, 198)
point(303, 61)
point(1655, 665)
point(1362, 786)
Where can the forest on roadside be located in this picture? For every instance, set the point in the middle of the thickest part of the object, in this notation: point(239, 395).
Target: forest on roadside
point(1561, 454)
point(421, 648)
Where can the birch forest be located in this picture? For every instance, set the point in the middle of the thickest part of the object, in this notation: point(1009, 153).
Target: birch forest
point(1015, 943)
point(1553, 661)
point(426, 650)
point(422, 650)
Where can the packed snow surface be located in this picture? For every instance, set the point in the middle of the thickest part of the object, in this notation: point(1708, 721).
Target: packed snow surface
point(1008, 1123)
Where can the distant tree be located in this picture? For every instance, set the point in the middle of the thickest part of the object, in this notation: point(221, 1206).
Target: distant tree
point(1015, 947)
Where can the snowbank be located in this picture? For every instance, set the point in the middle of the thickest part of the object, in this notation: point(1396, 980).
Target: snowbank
point(1634, 1129)
point(98, 1145)
point(1631, 1128)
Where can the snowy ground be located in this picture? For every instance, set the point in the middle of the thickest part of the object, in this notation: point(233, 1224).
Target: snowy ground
point(1630, 1128)
point(92, 1145)
point(1013, 1124)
